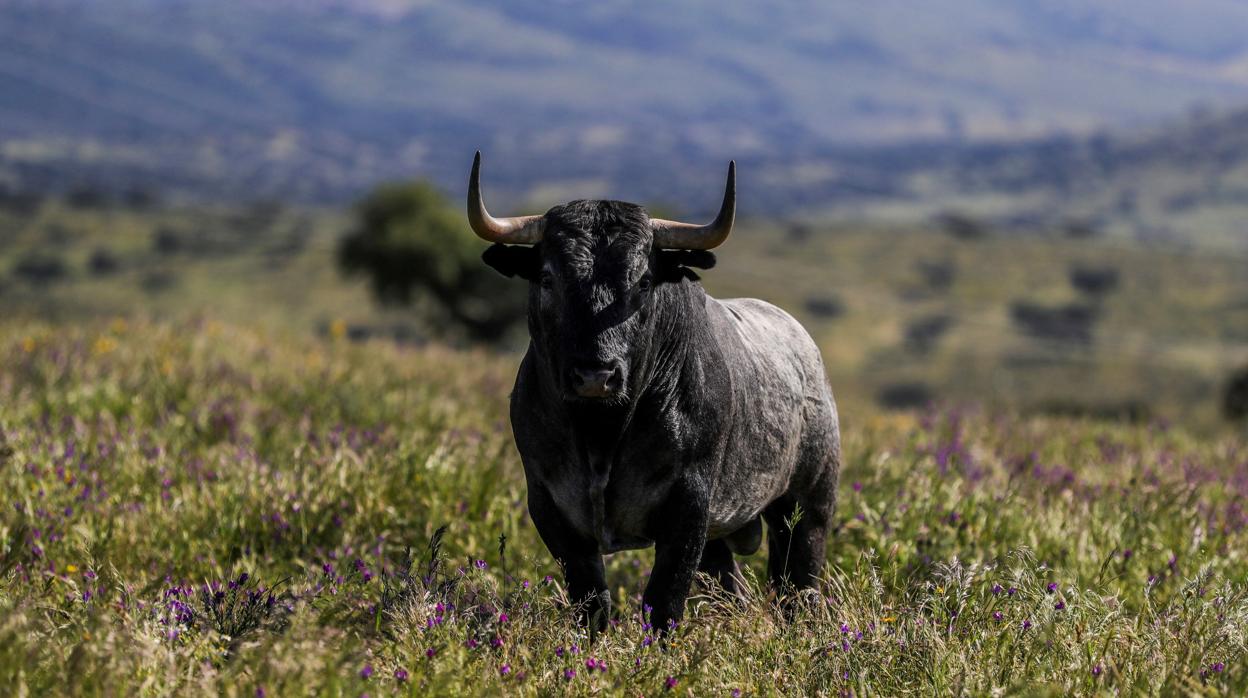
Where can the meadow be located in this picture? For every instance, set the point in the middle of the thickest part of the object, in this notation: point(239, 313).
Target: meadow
point(198, 507)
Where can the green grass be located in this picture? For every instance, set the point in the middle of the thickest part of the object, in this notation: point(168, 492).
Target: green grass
point(142, 461)
point(1167, 337)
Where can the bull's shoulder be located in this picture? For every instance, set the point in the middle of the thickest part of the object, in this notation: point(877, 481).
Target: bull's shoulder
point(763, 326)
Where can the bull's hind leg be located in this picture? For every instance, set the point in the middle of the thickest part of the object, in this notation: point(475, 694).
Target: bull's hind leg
point(717, 561)
point(796, 544)
point(797, 530)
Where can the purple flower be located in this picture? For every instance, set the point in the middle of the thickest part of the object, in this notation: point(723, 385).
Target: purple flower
point(481, 564)
point(1096, 670)
point(472, 643)
point(670, 683)
point(1126, 554)
point(996, 588)
point(559, 651)
point(736, 693)
point(590, 665)
point(502, 618)
point(857, 486)
point(1060, 605)
point(367, 671)
point(1052, 587)
point(1027, 624)
point(1217, 667)
point(504, 670)
point(260, 692)
point(1013, 591)
point(430, 652)
point(997, 616)
point(569, 674)
point(400, 674)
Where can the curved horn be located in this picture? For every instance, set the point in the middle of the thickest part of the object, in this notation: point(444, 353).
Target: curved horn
point(519, 230)
point(674, 235)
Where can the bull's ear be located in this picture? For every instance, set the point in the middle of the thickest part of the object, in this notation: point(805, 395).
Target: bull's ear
point(514, 260)
point(674, 265)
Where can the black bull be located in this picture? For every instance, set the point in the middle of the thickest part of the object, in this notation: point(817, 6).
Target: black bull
point(648, 413)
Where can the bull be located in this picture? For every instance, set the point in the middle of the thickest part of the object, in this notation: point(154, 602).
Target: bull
point(647, 412)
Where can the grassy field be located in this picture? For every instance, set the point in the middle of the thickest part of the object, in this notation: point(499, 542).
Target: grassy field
point(891, 307)
point(200, 508)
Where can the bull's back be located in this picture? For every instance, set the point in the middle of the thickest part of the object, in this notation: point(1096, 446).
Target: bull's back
point(778, 385)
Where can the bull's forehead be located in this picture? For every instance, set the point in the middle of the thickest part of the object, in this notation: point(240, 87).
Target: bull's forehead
point(598, 238)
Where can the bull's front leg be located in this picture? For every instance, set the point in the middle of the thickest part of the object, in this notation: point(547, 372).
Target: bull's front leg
point(577, 555)
point(679, 529)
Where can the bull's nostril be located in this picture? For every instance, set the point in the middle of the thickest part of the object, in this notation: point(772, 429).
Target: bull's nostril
point(597, 382)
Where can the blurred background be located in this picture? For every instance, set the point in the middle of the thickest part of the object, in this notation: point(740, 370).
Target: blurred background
point(1036, 206)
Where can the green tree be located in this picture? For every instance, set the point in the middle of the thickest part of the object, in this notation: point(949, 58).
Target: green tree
point(408, 240)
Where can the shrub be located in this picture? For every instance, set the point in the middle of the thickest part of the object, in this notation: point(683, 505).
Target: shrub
point(1094, 281)
point(41, 267)
point(825, 306)
point(408, 240)
point(1235, 396)
point(923, 333)
point(103, 262)
point(1072, 322)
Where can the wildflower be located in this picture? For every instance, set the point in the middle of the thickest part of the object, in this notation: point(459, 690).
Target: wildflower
point(590, 665)
point(367, 671)
point(996, 588)
point(430, 652)
point(1052, 587)
point(1217, 667)
point(496, 642)
point(1012, 591)
point(997, 616)
point(1096, 670)
point(736, 693)
point(1027, 624)
point(504, 670)
point(1126, 554)
point(559, 651)
point(472, 643)
point(481, 564)
point(569, 674)
point(647, 641)
point(502, 618)
point(1060, 605)
point(670, 683)
point(70, 569)
point(400, 674)
point(857, 486)
point(260, 692)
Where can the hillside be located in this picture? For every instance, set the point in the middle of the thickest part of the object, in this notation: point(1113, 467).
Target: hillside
point(317, 101)
point(903, 314)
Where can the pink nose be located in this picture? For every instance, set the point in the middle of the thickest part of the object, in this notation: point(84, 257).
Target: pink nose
point(597, 382)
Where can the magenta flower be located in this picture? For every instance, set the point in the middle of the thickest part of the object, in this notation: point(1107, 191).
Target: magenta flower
point(504, 670)
point(1027, 624)
point(502, 618)
point(569, 674)
point(1052, 587)
point(1096, 670)
point(430, 652)
point(1060, 605)
point(400, 674)
point(997, 615)
point(367, 671)
point(670, 683)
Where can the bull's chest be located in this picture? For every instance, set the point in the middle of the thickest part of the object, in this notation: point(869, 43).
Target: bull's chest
point(611, 502)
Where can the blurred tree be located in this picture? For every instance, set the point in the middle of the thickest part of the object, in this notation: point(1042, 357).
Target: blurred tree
point(409, 240)
point(1235, 398)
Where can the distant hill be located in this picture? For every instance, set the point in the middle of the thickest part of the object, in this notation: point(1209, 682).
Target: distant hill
point(317, 100)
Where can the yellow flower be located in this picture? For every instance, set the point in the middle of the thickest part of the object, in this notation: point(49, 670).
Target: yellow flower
point(70, 569)
point(338, 329)
point(940, 590)
point(888, 619)
point(104, 345)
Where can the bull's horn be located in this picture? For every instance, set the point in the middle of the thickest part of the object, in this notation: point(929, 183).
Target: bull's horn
point(520, 230)
point(674, 235)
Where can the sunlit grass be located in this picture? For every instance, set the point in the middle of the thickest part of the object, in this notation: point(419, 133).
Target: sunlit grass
point(147, 468)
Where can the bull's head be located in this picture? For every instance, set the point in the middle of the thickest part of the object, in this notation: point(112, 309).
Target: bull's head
point(597, 271)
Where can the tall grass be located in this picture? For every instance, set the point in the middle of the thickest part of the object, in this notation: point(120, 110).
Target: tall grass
point(202, 508)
